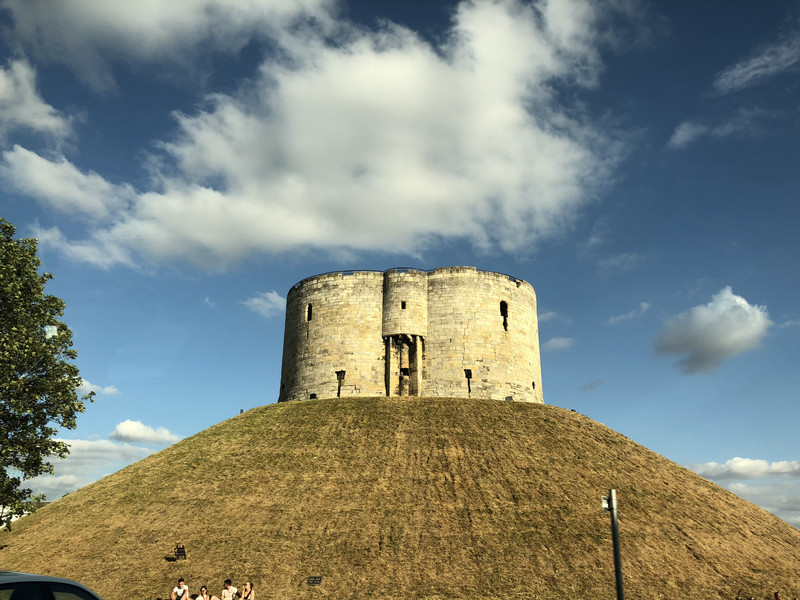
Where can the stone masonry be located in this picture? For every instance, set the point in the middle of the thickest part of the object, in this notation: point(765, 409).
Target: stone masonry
point(451, 332)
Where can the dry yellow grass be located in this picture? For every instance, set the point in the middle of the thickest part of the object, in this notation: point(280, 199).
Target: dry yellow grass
point(409, 498)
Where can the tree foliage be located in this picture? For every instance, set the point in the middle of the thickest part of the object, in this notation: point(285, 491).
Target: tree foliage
point(38, 381)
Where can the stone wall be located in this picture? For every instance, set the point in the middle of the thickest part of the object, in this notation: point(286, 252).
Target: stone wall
point(453, 331)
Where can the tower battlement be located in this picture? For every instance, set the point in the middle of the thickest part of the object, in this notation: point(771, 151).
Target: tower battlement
point(451, 332)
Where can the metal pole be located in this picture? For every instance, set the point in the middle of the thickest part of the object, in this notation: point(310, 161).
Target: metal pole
point(610, 504)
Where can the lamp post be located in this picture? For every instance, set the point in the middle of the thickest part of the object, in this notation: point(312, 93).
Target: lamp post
point(610, 504)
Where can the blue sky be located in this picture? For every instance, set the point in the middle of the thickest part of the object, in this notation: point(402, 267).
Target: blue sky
point(184, 164)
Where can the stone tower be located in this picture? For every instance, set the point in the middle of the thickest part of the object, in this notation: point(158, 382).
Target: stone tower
point(450, 332)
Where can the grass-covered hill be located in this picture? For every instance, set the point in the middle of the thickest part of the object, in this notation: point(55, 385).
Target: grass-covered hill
point(409, 498)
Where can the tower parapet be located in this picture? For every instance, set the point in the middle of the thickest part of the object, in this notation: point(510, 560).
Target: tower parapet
point(451, 332)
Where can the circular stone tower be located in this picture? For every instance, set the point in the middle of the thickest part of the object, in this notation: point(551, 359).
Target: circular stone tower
point(451, 332)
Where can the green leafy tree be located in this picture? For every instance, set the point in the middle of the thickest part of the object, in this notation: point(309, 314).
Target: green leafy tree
point(38, 382)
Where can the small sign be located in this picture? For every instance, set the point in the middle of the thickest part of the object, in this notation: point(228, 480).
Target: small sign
point(314, 580)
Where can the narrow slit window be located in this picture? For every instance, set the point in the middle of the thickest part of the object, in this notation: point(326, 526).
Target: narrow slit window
point(403, 304)
point(308, 313)
point(468, 375)
point(504, 313)
point(340, 379)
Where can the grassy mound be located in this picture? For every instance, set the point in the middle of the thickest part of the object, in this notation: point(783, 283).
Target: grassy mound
point(408, 498)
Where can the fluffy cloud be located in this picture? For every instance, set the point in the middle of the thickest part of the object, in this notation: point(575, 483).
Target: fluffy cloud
point(767, 61)
point(377, 141)
point(781, 498)
point(707, 334)
point(267, 304)
point(746, 468)
point(88, 36)
point(777, 487)
point(87, 461)
point(557, 343)
point(136, 431)
point(21, 106)
point(636, 312)
point(86, 387)
point(60, 185)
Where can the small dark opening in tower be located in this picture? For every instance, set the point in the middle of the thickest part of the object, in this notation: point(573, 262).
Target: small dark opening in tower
point(340, 379)
point(468, 375)
point(504, 313)
point(308, 313)
point(403, 304)
point(533, 383)
point(312, 396)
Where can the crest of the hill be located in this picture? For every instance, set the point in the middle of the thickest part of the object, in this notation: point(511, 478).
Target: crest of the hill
point(402, 498)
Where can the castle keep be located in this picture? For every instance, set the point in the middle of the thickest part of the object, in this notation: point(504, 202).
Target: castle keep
point(450, 332)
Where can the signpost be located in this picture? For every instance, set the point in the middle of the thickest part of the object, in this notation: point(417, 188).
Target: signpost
point(610, 504)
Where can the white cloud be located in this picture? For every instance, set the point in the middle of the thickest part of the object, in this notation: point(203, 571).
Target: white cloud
point(548, 316)
point(381, 141)
point(557, 343)
point(778, 483)
point(765, 62)
point(89, 36)
point(746, 468)
point(86, 462)
point(686, 133)
point(60, 185)
point(745, 122)
point(781, 497)
point(102, 251)
point(707, 334)
point(136, 431)
point(636, 312)
point(267, 304)
point(21, 106)
point(86, 387)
